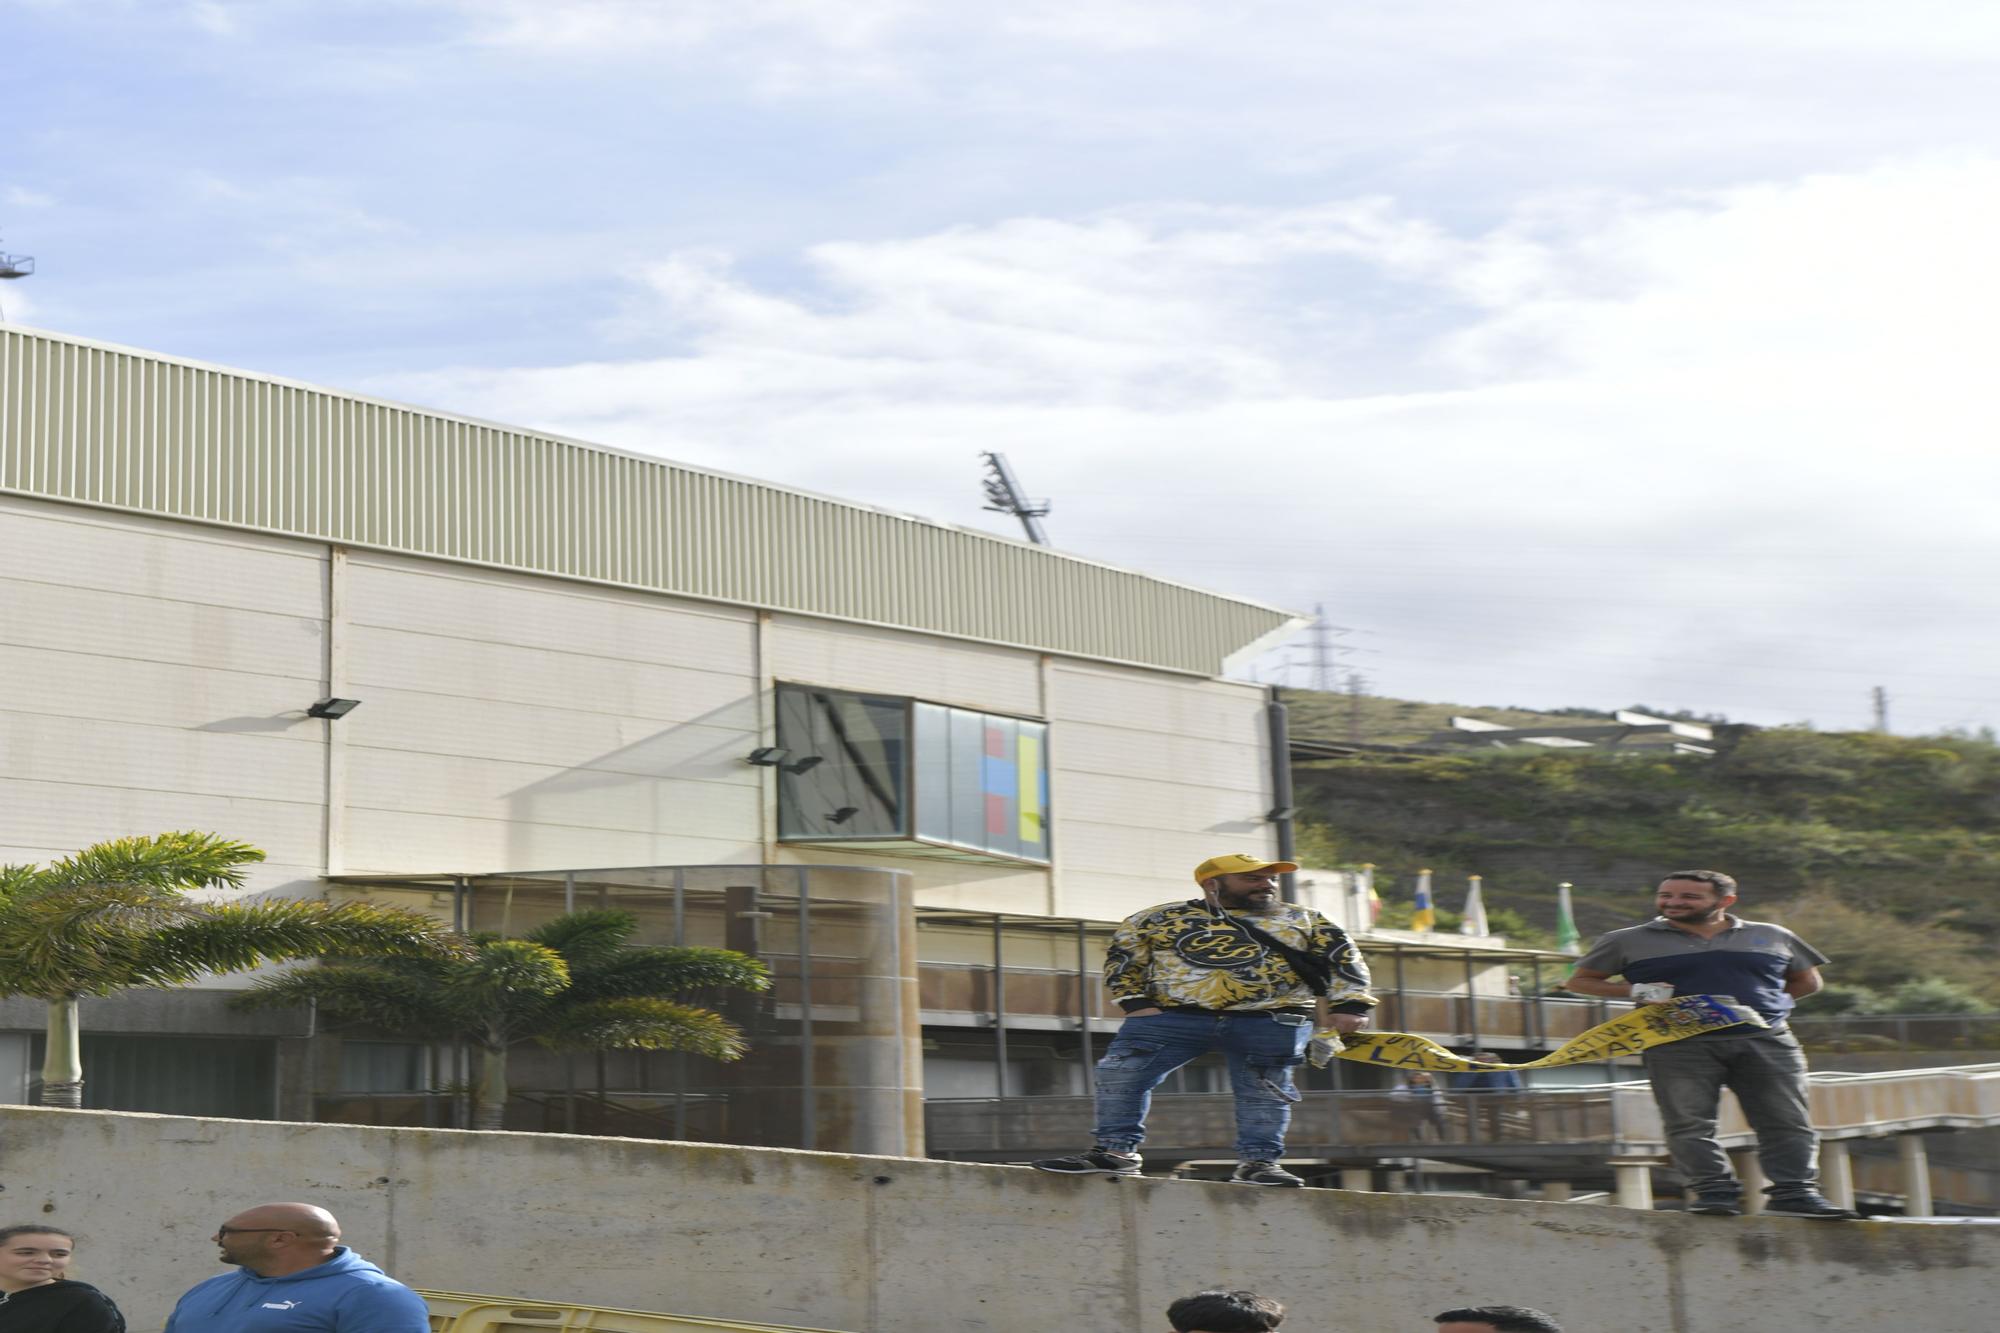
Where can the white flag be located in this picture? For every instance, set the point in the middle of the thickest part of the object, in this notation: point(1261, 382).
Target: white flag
point(1475, 910)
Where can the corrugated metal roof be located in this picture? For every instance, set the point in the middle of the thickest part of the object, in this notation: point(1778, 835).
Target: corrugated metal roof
point(95, 424)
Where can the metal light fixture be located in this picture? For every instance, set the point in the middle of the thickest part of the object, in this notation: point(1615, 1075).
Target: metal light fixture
point(768, 756)
point(333, 709)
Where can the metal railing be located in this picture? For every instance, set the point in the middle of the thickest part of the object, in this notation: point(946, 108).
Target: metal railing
point(694, 1117)
point(1191, 1125)
point(1898, 1032)
point(1618, 1119)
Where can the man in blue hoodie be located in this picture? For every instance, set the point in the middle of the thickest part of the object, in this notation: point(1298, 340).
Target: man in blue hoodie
point(294, 1276)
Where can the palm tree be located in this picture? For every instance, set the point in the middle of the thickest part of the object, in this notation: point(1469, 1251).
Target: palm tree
point(117, 915)
point(574, 984)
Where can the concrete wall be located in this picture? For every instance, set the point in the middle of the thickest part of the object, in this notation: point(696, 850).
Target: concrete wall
point(892, 1245)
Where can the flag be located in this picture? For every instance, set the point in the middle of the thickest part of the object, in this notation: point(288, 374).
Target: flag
point(1423, 918)
point(1567, 938)
point(1475, 911)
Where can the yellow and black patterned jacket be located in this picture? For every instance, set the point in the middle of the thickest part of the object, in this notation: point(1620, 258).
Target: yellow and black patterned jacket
point(1183, 955)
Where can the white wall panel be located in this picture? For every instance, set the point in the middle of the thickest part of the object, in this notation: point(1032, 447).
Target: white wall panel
point(855, 657)
point(390, 841)
point(82, 548)
point(487, 789)
point(1100, 896)
point(1083, 747)
point(83, 752)
point(537, 676)
point(45, 615)
point(122, 689)
point(464, 603)
point(1156, 774)
point(1160, 806)
point(710, 751)
point(1151, 701)
point(68, 816)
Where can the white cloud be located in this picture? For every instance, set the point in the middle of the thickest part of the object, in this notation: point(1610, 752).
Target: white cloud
point(1735, 418)
point(20, 196)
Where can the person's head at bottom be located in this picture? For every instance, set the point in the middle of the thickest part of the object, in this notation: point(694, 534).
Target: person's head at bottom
point(1225, 1312)
point(1496, 1319)
point(278, 1239)
point(32, 1256)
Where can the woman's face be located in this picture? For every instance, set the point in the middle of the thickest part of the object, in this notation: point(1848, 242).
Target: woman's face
point(33, 1258)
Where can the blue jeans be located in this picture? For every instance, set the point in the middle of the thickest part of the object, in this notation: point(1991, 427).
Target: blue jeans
point(1263, 1049)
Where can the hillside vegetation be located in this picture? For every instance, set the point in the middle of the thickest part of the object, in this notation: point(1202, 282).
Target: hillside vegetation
point(1884, 850)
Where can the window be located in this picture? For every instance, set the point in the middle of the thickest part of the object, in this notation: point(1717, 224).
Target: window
point(879, 769)
point(384, 1066)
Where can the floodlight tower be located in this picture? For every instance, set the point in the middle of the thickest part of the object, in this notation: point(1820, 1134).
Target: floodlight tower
point(15, 266)
point(1004, 496)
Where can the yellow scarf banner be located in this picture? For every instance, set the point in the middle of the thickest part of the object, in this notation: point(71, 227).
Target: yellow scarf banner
point(1628, 1034)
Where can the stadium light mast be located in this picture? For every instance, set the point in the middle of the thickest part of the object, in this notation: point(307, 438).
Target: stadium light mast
point(1004, 496)
point(15, 266)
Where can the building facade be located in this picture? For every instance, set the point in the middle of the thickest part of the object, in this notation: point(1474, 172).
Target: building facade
point(565, 659)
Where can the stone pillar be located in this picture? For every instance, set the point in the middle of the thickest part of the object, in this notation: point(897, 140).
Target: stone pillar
point(1751, 1172)
point(1395, 1182)
point(836, 1046)
point(1358, 1178)
point(1635, 1184)
point(1555, 1191)
point(1836, 1172)
point(1916, 1163)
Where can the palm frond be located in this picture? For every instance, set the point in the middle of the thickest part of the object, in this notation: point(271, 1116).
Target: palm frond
point(396, 998)
point(587, 937)
point(84, 939)
point(174, 862)
point(675, 970)
point(645, 1024)
point(15, 880)
point(503, 971)
point(233, 937)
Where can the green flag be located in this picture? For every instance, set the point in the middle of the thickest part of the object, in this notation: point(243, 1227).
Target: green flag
point(1567, 938)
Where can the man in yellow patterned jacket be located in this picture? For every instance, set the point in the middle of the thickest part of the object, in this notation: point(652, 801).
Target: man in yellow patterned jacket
point(1236, 970)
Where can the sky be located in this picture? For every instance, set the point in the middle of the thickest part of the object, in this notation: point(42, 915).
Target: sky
point(1580, 353)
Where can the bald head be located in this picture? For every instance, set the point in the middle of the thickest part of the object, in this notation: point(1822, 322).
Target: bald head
point(304, 1219)
point(274, 1239)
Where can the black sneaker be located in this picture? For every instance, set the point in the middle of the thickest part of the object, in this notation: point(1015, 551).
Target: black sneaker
point(1716, 1205)
point(1096, 1162)
point(1811, 1205)
point(1266, 1173)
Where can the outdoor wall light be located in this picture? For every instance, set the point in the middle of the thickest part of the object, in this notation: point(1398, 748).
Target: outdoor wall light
point(1279, 814)
point(333, 709)
point(768, 756)
point(811, 761)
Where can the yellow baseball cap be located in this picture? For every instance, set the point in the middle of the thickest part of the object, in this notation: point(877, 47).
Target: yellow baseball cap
point(1238, 863)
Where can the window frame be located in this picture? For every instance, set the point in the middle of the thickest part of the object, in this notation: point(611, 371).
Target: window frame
point(908, 793)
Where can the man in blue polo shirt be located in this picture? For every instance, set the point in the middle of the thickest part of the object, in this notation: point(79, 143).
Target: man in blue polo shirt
point(1695, 945)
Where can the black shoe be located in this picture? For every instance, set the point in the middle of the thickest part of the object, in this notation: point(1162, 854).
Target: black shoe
point(1266, 1173)
point(1716, 1205)
point(1811, 1205)
point(1096, 1162)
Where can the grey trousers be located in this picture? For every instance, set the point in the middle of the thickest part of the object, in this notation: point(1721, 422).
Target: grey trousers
point(1767, 1072)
